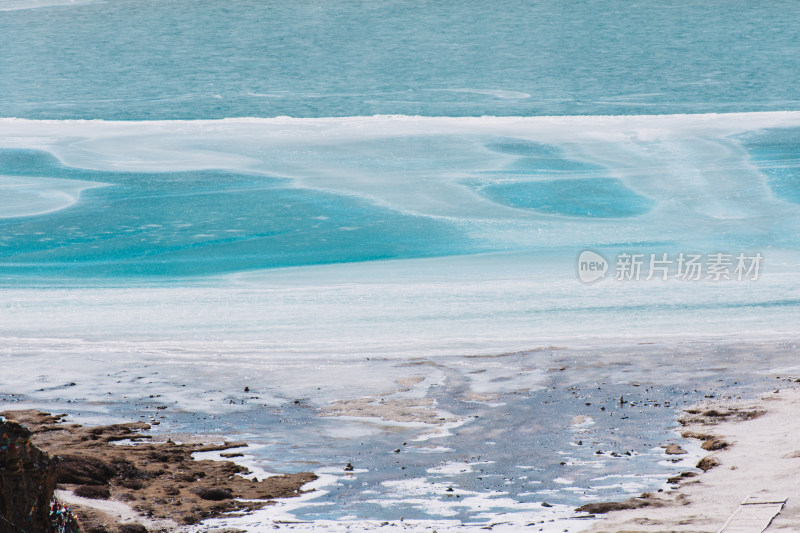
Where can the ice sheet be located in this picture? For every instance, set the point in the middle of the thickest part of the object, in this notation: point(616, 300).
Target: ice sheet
point(362, 188)
point(21, 196)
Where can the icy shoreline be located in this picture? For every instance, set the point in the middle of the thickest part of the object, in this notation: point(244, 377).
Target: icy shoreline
point(563, 426)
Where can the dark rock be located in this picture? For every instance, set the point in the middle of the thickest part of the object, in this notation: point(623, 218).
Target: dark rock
point(95, 492)
point(681, 477)
point(84, 470)
point(132, 484)
point(168, 456)
point(632, 503)
point(190, 519)
point(213, 493)
point(126, 469)
point(674, 449)
point(707, 463)
point(714, 444)
point(188, 477)
point(132, 528)
point(695, 435)
point(27, 480)
point(94, 527)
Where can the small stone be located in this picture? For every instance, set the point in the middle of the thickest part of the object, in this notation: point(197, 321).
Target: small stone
point(707, 463)
point(674, 449)
point(714, 444)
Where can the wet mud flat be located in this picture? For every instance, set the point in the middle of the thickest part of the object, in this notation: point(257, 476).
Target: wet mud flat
point(476, 439)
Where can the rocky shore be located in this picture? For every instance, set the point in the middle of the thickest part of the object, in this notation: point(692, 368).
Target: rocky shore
point(27, 480)
point(161, 482)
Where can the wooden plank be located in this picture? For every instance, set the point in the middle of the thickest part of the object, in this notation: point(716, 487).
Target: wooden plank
point(753, 515)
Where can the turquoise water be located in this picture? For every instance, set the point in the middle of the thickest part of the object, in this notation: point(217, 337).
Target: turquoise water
point(581, 190)
point(136, 60)
point(603, 197)
point(202, 222)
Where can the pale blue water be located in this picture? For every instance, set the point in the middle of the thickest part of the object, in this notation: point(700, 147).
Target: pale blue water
point(265, 251)
point(136, 60)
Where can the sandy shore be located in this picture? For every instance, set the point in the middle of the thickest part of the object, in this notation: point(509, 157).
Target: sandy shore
point(757, 447)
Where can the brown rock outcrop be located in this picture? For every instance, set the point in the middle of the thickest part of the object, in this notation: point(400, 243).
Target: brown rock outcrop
point(27, 481)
